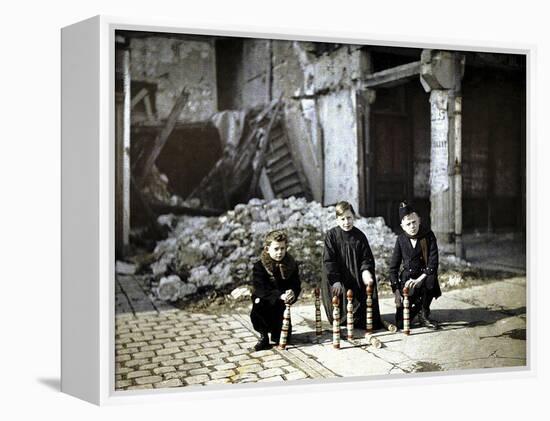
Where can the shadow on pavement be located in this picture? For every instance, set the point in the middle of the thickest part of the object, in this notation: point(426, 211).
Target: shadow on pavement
point(472, 317)
point(452, 319)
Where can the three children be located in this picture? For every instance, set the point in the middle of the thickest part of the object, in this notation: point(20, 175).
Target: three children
point(348, 263)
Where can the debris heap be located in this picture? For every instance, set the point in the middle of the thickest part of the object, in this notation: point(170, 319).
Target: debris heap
point(219, 252)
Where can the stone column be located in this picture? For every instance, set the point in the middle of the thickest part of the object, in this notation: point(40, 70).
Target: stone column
point(455, 107)
point(440, 75)
point(122, 189)
point(442, 213)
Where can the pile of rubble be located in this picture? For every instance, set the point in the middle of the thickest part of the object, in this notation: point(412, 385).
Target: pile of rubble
point(218, 252)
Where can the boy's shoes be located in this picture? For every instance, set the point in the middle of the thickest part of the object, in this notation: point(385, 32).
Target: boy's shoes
point(426, 322)
point(263, 343)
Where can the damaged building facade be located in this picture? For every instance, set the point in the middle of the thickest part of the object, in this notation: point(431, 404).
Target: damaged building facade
point(373, 125)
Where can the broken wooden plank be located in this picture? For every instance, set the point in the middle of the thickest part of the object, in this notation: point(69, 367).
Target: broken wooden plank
point(216, 169)
point(279, 166)
point(275, 148)
point(149, 108)
point(161, 139)
point(139, 96)
point(392, 77)
point(265, 186)
point(293, 191)
point(162, 209)
point(289, 171)
point(263, 149)
point(286, 184)
point(281, 156)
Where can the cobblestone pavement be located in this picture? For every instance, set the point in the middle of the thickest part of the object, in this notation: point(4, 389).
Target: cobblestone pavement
point(175, 348)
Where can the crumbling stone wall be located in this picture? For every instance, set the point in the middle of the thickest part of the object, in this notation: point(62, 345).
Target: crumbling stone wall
point(172, 64)
point(324, 113)
point(340, 147)
point(256, 69)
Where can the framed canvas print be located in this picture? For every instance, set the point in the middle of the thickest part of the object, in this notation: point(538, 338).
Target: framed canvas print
point(245, 210)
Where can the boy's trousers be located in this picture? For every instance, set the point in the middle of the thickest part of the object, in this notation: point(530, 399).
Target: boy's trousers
point(267, 317)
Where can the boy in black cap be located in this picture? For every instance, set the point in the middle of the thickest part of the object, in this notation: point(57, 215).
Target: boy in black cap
point(275, 282)
point(416, 248)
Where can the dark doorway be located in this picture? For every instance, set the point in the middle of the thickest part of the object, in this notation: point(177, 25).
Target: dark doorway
point(392, 149)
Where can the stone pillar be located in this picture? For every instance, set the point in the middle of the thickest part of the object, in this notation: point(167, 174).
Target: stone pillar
point(442, 213)
point(456, 119)
point(122, 155)
point(440, 74)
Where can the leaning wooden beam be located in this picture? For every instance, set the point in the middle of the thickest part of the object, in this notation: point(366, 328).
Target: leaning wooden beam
point(261, 153)
point(139, 96)
point(265, 186)
point(161, 139)
point(216, 169)
point(392, 77)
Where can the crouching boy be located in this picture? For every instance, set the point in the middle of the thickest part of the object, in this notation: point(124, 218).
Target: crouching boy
point(275, 283)
point(416, 248)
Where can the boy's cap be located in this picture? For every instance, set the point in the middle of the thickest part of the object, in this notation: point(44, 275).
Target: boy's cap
point(404, 210)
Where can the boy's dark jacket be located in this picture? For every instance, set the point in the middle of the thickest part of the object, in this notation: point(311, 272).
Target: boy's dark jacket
point(270, 278)
point(414, 262)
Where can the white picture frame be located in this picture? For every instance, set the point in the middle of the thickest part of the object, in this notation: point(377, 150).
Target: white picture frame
point(88, 170)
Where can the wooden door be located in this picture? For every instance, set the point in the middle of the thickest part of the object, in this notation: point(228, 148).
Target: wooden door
point(392, 165)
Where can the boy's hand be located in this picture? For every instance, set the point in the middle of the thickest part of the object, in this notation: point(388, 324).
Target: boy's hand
point(337, 289)
point(367, 277)
point(289, 296)
point(415, 283)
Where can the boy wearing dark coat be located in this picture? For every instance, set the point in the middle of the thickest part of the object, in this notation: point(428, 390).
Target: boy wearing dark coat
point(415, 248)
point(348, 263)
point(275, 283)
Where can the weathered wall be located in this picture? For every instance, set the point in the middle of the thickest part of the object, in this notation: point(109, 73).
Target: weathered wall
point(173, 64)
point(307, 83)
point(337, 115)
point(288, 78)
point(321, 114)
point(255, 75)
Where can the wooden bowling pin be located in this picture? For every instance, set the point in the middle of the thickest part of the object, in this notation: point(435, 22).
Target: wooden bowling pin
point(284, 330)
point(373, 341)
point(335, 322)
point(369, 307)
point(318, 327)
point(406, 312)
point(349, 317)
